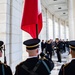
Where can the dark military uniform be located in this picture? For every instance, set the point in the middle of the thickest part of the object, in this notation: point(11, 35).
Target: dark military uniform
point(4, 69)
point(69, 68)
point(31, 62)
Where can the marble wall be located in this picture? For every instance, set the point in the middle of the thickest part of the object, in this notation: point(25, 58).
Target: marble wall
point(10, 31)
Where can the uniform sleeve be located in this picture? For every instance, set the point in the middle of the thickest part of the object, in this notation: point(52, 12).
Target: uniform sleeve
point(51, 64)
point(61, 70)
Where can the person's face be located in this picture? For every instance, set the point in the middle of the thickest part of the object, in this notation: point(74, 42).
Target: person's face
point(0, 53)
point(56, 41)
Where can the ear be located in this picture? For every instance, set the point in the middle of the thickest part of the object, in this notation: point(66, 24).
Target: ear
point(37, 50)
point(26, 50)
point(70, 51)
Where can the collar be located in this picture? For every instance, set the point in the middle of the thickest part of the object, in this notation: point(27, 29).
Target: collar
point(32, 56)
point(73, 58)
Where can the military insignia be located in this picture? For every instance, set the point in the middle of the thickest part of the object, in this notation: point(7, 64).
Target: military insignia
point(66, 64)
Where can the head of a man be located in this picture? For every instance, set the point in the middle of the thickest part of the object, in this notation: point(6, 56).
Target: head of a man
point(32, 46)
point(72, 48)
point(43, 41)
point(1, 44)
point(57, 40)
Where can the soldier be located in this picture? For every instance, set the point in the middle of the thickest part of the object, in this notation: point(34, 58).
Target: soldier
point(4, 69)
point(69, 68)
point(33, 65)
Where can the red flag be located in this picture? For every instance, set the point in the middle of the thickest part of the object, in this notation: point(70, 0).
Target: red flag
point(31, 16)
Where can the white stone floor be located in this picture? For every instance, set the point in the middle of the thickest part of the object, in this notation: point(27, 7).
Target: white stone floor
point(65, 58)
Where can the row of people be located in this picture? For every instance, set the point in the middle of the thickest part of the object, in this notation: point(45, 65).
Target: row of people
point(35, 66)
point(68, 68)
point(57, 46)
point(64, 44)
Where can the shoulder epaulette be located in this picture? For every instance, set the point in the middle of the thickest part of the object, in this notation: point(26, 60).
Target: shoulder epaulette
point(66, 64)
point(44, 58)
point(64, 67)
point(6, 65)
point(3, 64)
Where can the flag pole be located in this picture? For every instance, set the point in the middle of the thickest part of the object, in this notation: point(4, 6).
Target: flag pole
point(37, 31)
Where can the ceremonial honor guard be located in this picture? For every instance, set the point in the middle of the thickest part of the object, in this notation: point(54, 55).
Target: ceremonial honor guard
point(69, 68)
point(33, 65)
point(4, 69)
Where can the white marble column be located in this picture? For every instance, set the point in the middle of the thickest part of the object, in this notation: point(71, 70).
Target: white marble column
point(13, 33)
point(47, 30)
point(65, 30)
point(3, 23)
point(59, 27)
point(71, 19)
point(53, 27)
point(10, 31)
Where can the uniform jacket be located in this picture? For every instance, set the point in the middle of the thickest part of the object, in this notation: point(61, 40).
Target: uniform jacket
point(7, 69)
point(68, 69)
point(30, 63)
